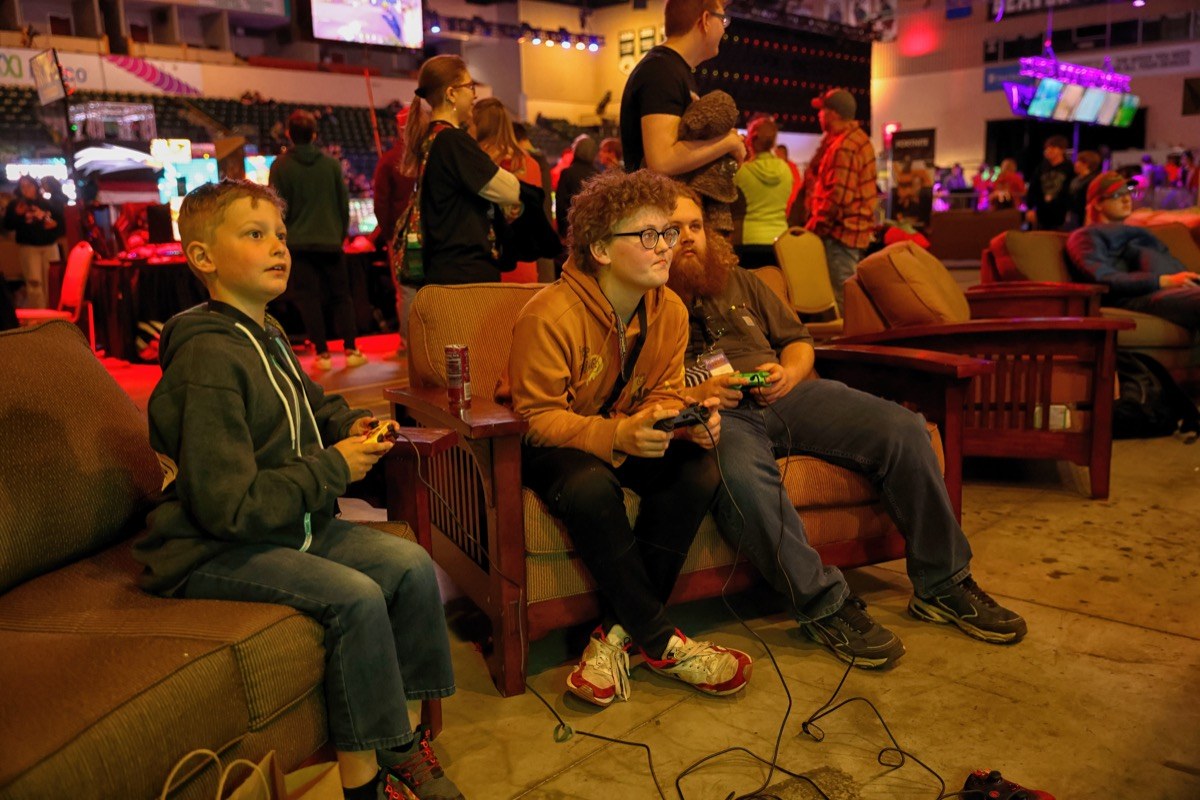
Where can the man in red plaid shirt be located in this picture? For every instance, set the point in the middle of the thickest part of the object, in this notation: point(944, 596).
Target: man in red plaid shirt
point(840, 194)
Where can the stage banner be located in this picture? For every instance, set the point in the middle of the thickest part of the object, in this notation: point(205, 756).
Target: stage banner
point(912, 176)
point(96, 73)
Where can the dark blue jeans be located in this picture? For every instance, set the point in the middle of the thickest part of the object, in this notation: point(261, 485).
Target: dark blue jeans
point(1179, 304)
point(635, 568)
point(385, 631)
point(855, 430)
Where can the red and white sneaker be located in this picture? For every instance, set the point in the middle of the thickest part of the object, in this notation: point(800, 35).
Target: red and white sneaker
point(709, 668)
point(602, 675)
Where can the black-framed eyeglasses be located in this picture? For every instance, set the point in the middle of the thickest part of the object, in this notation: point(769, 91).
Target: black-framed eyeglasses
point(472, 85)
point(725, 18)
point(650, 237)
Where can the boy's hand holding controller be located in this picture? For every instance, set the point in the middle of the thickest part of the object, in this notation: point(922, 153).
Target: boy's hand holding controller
point(637, 436)
point(366, 444)
point(708, 434)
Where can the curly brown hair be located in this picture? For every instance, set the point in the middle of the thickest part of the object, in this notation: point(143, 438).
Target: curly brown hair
point(607, 199)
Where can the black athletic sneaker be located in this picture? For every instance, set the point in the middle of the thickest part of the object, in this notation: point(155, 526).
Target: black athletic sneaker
point(416, 772)
point(850, 632)
point(970, 608)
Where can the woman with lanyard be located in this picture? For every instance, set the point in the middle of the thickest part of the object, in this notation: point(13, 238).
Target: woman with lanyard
point(458, 184)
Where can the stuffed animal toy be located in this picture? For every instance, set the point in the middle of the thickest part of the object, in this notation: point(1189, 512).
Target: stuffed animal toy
point(711, 116)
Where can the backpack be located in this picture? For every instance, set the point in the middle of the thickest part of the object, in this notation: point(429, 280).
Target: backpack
point(1150, 403)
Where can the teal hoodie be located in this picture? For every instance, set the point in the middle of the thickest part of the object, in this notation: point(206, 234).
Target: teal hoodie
point(318, 202)
point(248, 431)
point(767, 184)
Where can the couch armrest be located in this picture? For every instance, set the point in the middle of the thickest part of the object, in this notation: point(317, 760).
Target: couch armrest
point(1000, 328)
point(485, 419)
point(1032, 298)
point(902, 359)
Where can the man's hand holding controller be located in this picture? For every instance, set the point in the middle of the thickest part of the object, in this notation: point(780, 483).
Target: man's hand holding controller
point(368, 441)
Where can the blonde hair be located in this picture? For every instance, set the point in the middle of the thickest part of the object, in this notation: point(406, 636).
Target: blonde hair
point(437, 75)
point(203, 210)
point(494, 132)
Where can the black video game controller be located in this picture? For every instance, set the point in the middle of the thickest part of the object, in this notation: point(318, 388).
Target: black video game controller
point(692, 415)
point(992, 785)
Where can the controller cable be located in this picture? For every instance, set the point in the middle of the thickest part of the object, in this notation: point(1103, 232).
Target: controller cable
point(563, 730)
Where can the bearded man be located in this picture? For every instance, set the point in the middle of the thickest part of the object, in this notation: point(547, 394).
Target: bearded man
point(737, 324)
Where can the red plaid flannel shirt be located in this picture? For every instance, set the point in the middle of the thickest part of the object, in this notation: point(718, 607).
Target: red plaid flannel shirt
point(839, 188)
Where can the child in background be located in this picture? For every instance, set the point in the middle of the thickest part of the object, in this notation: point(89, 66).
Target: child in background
point(251, 515)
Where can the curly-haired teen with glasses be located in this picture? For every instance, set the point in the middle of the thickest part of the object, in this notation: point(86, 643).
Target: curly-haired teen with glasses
point(596, 360)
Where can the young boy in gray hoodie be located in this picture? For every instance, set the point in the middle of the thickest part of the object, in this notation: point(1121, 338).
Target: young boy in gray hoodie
point(263, 454)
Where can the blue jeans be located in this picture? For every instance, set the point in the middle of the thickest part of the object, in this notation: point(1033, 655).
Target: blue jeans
point(855, 430)
point(377, 597)
point(842, 261)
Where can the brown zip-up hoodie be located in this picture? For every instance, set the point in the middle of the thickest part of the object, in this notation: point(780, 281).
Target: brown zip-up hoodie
point(565, 359)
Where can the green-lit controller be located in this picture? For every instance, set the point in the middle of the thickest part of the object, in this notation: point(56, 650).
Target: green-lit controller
point(756, 379)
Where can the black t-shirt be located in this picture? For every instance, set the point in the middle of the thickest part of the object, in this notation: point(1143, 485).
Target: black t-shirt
point(1051, 194)
point(454, 218)
point(661, 83)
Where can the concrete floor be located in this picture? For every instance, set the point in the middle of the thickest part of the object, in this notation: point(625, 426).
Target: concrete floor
point(1102, 699)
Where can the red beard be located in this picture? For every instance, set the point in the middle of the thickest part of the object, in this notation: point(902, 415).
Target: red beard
point(704, 272)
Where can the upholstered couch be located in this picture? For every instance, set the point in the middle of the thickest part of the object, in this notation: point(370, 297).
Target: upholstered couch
point(516, 562)
point(1040, 257)
point(104, 687)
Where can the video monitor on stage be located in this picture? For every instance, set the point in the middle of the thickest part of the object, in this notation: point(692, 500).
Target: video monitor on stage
point(1070, 96)
point(1045, 99)
point(392, 23)
point(362, 216)
point(1108, 108)
point(1125, 114)
point(1089, 106)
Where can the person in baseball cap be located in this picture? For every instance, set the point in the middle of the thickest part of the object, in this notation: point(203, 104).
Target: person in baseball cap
point(1110, 198)
point(1138, 268)
point(838, 101)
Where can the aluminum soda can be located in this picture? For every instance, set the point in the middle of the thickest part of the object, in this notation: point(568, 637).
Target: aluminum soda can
point(458, 376)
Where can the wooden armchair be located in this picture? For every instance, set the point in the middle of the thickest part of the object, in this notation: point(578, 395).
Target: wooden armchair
point(515, 562)
point(1026, 273)
point(1051, 393)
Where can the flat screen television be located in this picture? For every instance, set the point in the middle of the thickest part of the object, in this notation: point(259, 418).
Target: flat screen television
point(1045, 99)
point(1129, 107)
point(362, 216)
point(1108, 109)
point(392, 23)
point(1089, 105)
point(1068, 98)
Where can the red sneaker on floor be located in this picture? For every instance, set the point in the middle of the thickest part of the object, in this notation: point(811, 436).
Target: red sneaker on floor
point(709, 668)
point(602, 675)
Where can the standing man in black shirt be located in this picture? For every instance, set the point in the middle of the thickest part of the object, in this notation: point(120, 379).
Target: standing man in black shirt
point(661, 87)
point(1050, 189)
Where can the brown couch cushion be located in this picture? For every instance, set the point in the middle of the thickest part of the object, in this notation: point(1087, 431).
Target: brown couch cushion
point(1179, 241)
point(1039, 255)
point(112, 675)
point(77, 466)
point(443, 315)
point(909, 287)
